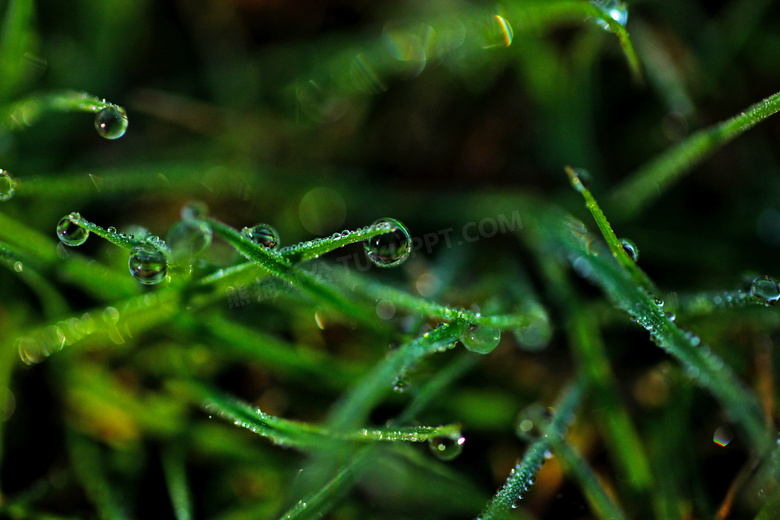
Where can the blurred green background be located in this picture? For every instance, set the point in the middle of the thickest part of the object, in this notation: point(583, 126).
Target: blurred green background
point(319, 115)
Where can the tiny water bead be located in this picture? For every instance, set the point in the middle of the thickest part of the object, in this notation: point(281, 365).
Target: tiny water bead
point(583, 176)
point(615, 9)
point(766, 288)
point(264, 235)
point(187, 239)
point(111, 122)
point(446, 448)
point(70, 233)
point(532, 422)
point(7, 186)
point(481, 339)
point(723, 436)
point(630, 248)
point(194, 209)
point(147, 264)
point(389, 249)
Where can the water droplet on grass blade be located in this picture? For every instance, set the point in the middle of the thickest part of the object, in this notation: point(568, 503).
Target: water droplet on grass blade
point(147, 264)
point(70, 233)
point(766, 288)
point(446, 448)
point(615, 9)
point(723, 436)
point(630, 248)
point(389, 249)
point(481, 339)
point(497, 33)
point(7, 186)
point(532, 422)
point(264, 235)
point(187, 239)
point(583, 176)
point(194, 209)
point(111, 122)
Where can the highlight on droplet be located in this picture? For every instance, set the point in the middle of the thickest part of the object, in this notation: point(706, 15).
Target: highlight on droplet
point(723, 436)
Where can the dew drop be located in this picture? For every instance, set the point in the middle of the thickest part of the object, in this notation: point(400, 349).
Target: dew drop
point(187, 239)
point(658, 301)
point(389, 249)
point(630, 248)
point(481, 339)
point(264, 235)
point(70, 233)
point(446, 447)
point(766, 288)
point(615, 9)
point(400, 385)
point(670, 316)
point(517, 501)
point(723, 436)
point(7, 186)
point(583, 176)
point(111, 122)
point(194, 209)
point(532, 422)
point(147, 264)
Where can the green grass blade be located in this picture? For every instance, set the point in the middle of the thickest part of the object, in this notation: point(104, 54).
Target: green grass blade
point(307, 436)
point(709, 370)
point(28, 111)
point(525, 471)
point(282, 268)
point(600, 502)
point(355, 407)
point(652, 179)
point(613, 242)
point(174, 467)
point(17, 38)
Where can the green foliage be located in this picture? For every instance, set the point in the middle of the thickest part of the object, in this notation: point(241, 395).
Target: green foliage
point(212, 309)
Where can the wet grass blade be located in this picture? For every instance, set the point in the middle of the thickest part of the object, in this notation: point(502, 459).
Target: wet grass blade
point(524, 473)
point(651, 180)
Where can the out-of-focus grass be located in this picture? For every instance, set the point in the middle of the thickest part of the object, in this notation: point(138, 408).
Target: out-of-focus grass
point(366, 385)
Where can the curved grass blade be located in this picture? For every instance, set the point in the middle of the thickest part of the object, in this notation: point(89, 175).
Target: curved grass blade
point(281, 267)
point(173, 463)
point(355, 407)
point(408, 302)
point(612, 240)
point(655, 177)
point(28, 111)
point(307, 436)
point(324, 498)
point(699, 361)
point(17, 38)
point(600, 502)
point(525, 471)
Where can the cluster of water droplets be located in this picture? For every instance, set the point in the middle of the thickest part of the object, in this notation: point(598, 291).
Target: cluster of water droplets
point(111, 122)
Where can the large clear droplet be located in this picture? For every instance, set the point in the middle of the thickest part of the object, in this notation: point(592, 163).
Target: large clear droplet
point(147, 264)
point(389, 249)
point(264, 235)
point(187, 239)
point(481, 339)
point(766, 288)
point(111, 122)
point(630, 248)
point(445, 447)
point(7, 186)
point(70, 233)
